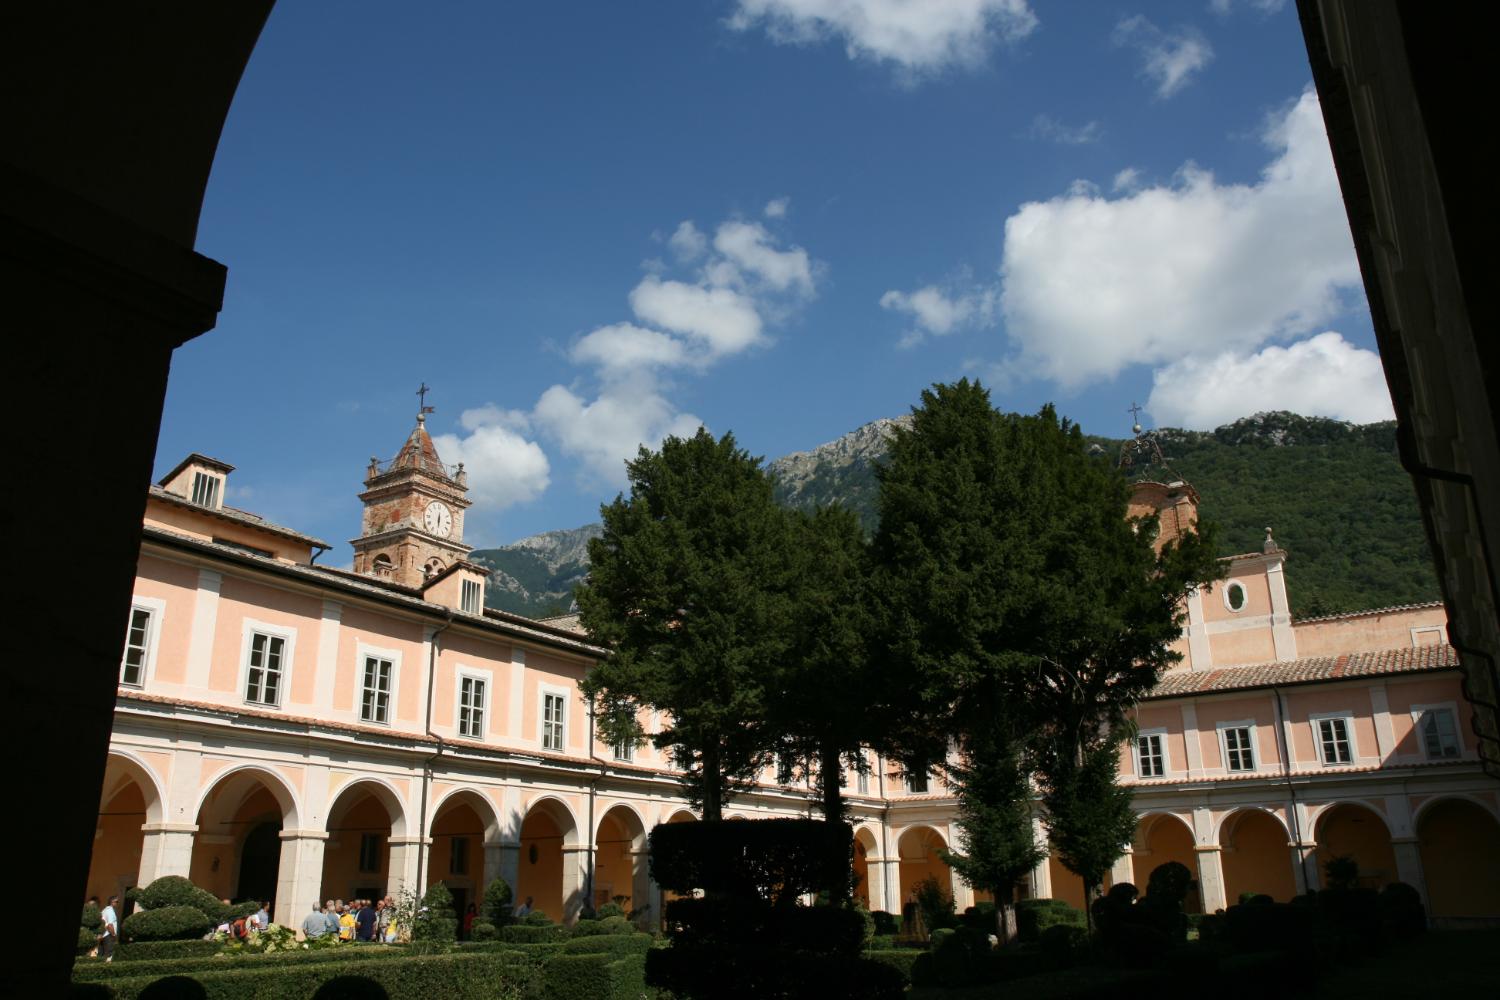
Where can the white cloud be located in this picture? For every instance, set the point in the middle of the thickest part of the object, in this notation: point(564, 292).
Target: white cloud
point(1168, 58)
point(687, 242)
point(625, 347)
point(916, 36)
point(504, 467)
point(1091, 284)
point(747, 249)
point(936, 312)
point(1321, 376)
point(721, 321)
point(603, 433)
point(1049, 129)
point(776, 208)
point(1126, 180)
point(1224, 8)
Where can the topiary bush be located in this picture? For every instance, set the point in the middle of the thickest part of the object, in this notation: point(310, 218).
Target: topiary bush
point(483, 930)
point(886, 923)
point(1035, 916)
point(614, 945)
point(774, 859)
point(166, 923)
point(435, 922)
point(174, 890)
point(609, 910)
point(90, 926)
point(959, 956)
point(531, 934)
point(935, 904)
point(536, 918)
point(496, 909)
point(1402, 914)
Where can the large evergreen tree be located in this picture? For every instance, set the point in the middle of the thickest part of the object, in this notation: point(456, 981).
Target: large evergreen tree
point(689, 591)
point(1019, 609)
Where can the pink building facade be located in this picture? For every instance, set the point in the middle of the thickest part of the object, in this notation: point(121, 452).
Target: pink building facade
point(294, 732)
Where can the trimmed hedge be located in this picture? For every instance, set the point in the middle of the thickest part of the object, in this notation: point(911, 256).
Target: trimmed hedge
point(899, 959)
point(592, 977)
point(154, 951)
point(175, 890)
point(774, 859)
point(745, 975)
point(527, 934)
point(729, 922)
point(614, 945)
point(1033, 916)
point(456, 976)
point(97, 971)
point(169, 923)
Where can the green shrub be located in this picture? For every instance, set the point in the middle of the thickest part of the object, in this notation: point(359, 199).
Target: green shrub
point(456, 976)
point(901, 960)
point(483, 930)
point(617, 925)
point(435, 922)
point(886, 923)
point(1065, 944)
point(936, 904)
point(585, 927)
point(741, 974)
point(1341, 872)
point(772, 859)
point(152, 951)
point(881, 942)
point(174, 890)
point(609, 910)
point(960, 956)
point(496, 909)
point(102, 972)
point(592, 976)
point(167, 923)
point(1402, 914)
point(529, 934)
point(536, 918)
point(613, 945)
point(1035, 916)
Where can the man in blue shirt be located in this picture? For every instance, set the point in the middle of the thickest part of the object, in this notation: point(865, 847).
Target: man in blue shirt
point(364, 921)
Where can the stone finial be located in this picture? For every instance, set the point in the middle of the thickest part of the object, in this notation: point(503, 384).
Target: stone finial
point(1270, 544)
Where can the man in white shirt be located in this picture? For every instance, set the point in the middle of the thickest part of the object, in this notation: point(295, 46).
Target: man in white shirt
point(111, 930)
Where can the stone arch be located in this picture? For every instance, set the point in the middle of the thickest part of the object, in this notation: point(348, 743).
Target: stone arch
point(1162, 837)
point(548, 872)
point(621, 874)
point(1459, 843)
point(130, 799)
point(865, 847)
point(460, 825)
point(681, 816)
point(1355, 829)
point(1420, 810)
point(237, 849)
point(366, 853)
point(917, 850)
point(121, 765)
point(1256, 856)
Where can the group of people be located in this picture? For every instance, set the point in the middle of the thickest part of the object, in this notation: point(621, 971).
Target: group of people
point(242, 927)
point(357, 920)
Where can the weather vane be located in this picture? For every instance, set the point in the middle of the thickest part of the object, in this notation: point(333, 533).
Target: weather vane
point(422, 399)
point(1135, 417)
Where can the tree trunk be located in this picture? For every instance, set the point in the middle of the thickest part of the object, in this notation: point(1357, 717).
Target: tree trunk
point(1006, 928)
point(839, 868)
point(713, 784)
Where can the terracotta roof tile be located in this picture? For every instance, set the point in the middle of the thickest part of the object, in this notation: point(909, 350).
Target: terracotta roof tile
point(1372, 611)
point(1405, 660)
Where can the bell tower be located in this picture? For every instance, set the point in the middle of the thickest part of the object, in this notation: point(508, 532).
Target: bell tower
point(413, 513)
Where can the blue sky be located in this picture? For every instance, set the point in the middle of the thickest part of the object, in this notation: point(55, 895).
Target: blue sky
point(590, 225)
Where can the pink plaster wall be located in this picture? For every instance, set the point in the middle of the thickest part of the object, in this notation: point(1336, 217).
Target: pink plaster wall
point(1367, 633)
point(177, 586)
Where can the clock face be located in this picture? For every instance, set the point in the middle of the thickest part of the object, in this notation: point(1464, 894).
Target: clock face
point(438, 519)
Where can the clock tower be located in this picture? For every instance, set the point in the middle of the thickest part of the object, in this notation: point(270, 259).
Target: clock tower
point(414, 514)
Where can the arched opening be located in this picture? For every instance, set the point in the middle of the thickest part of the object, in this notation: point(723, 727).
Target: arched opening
point(546, 830)
point(864, 846)
point(1256, 856)
point(1349, 830)
point(1159, 839)
point(919, 850)
point(357, 855)
point(459, 829)
point(382, 565)
point(129, 795)
point(1460, 846)
point(237, 850)
point(620, 871)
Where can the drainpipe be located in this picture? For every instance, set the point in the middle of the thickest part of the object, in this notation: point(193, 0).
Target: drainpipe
point(432, 651)
point(588, 884)
point(1291, 791)
point(885, 844)
point(320, 550)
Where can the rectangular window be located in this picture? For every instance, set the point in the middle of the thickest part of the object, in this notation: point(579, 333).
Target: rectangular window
point(862, 778)
point(625, 750)
point(369, 852)
point(1238, 755)
point(1333, 741)
point(552, 721)
point(472, 601)
point(458, 858)
point(205, 490)
point(263, 679)
point(916, 780)
point(471, 707)
point(1439, 733)
point(375, 691)
point(137, 637)
point(1150, 760)
point(786, 769)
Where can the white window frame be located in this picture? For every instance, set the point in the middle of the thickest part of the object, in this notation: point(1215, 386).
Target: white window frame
point(543, 690)
point(463, 593)
point(1230, 585)
point(215, 491)
point(1246, 724)
point(862, 776)
point(365, 652)
point(1418, 630)
point(926, 774)
point(624, 750)
point(461, 675)
point(156, 608)
point(1417, 711)
point(1166, 755)
point(1317, 734)
point(288, 637)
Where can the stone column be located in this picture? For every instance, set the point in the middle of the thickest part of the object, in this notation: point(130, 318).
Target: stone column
point(299, 876)
point(1123, 869)
point(1210, 877)
point(1409, 864)
point(875, 869)
point(577, 862)
point(1305, 867)
point(1041, 875)
point(166, 849)
point(402, 871)
point(502, 859)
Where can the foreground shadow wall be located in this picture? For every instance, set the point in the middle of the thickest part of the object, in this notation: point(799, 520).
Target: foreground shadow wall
point(112, 113)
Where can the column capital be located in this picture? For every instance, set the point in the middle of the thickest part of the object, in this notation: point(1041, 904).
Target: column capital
point(410, 841)
point(1205, 848)
point(303, 835)
point(576, 848)
point(504, 845)
point(169, 827)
